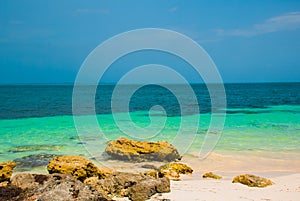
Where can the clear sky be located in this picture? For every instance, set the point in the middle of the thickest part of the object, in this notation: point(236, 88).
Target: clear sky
point(249, 41)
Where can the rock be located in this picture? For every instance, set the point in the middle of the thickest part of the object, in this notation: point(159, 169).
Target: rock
point(28, 181)
point(173, 170)
point(9, 193)
point(252, 180)
point(4, 183)
point(129, 150)
point(80, 168)
point(35, 148)
point(28, 162)
point(58, 187)
point(211, 175)
point(6, 170)
point(134, 186)
point(151, 173)
point(65, 187)
point(146, 188)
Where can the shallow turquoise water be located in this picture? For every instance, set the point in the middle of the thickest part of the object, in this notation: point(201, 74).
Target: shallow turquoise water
point(270, 129)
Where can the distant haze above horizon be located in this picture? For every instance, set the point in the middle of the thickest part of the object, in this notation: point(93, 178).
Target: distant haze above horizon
point(46, 42)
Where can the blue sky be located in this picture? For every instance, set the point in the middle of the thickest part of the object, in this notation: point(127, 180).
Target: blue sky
point(249, 41)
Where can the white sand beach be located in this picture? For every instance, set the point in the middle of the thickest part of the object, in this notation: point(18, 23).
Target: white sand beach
point(194, 187)
point(282, 169)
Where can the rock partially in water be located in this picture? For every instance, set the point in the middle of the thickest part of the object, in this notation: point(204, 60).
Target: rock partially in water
point(6, 170)
point(173, 170)
point(136, 187)
point(58, 187)
point(35, 148)
point(211, 175)
point(252, 180)
point(80, 168)
point(31, 161)
point(130, 150)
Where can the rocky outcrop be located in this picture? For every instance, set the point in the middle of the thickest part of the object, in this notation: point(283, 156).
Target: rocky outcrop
point(130, 150)
point(49, 187)
point(137, 187)
point(252, 180)
point(173, 170)
point(80, 168)
point(211, 175)
point(6, 170)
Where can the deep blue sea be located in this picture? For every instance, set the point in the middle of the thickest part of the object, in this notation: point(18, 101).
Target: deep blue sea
point(25, 101)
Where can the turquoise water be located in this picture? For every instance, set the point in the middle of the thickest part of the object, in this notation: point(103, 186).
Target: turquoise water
point(268, 129)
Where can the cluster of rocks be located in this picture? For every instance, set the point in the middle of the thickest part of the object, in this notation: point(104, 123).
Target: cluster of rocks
point(76, 178)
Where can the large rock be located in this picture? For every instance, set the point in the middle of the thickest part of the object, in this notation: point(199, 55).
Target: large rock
point(126, 149)
point(58, 187)
point(173, 170)
point(80, 168)
point(252, 180)
point(6, 170)
point(137, 187)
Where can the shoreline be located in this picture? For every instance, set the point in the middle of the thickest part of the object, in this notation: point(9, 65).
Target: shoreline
point(283, 169)
point(218, 161)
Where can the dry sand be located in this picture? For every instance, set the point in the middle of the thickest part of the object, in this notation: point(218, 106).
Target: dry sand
point(281, 168)
point(195, 188)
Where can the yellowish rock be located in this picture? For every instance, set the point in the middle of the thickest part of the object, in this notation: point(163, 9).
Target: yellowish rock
point(126, 149)
point(3, 184)
point(252, 180)
point(173, 170)
point(151, 173)
point(80, 168)
point(211, 175)
point(6, 170)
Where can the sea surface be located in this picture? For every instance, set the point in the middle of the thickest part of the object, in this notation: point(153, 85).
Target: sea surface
point(37, 120)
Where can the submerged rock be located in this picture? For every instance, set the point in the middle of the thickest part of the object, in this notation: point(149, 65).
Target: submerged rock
point(136, 187)
point(6, 170)
point(80, 168)
point(31, 161)
point(130, 150)
point(211, 175)
point(51, 187)
point(252, 180)
point(173, 170)
point(35, 148)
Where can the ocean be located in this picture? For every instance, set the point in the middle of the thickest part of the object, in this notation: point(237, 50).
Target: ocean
point(36, 121)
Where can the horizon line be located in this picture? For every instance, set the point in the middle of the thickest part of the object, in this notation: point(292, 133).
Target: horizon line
point(115, 83)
